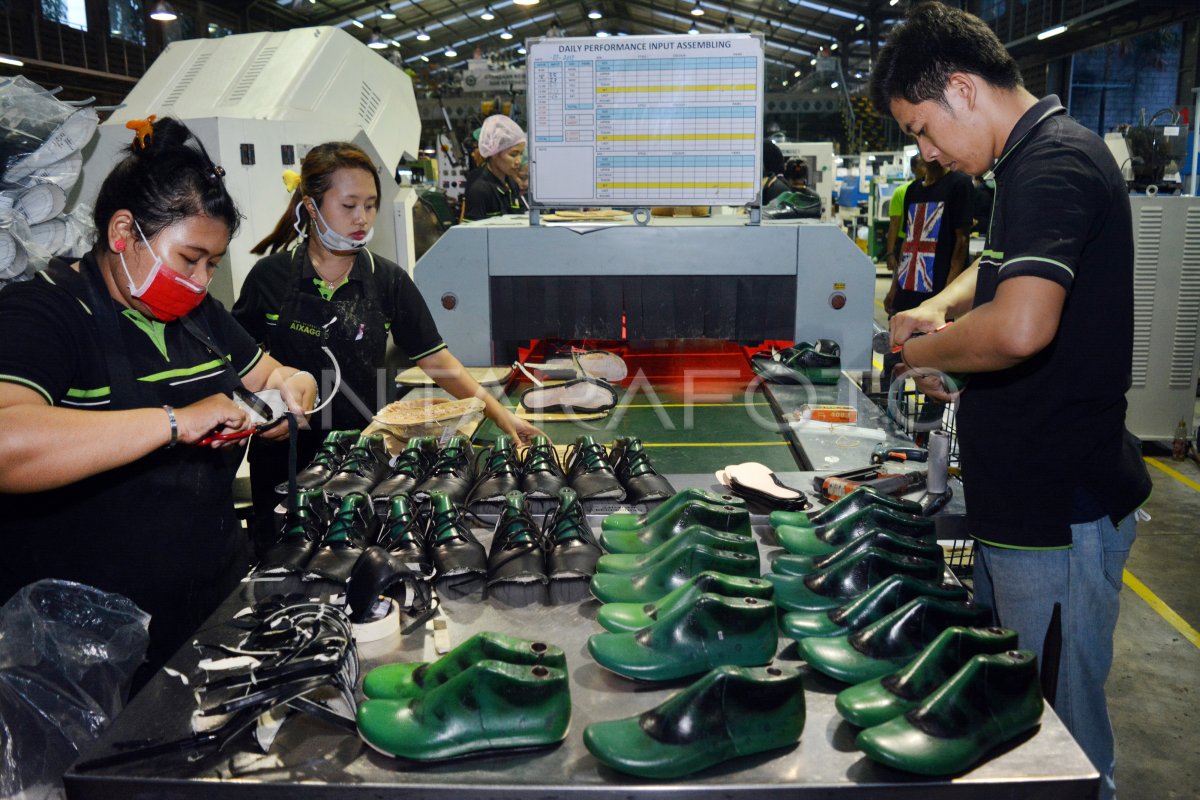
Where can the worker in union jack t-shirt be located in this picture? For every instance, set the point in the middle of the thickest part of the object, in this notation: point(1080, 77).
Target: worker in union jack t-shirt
point(937, 223)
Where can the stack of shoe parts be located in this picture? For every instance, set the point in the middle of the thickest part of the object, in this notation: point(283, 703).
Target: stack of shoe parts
point(367, 463)
point(497, 472)
point(969, 692)
point(293, 650)
point(730, 712)
point(637, 475)
point(650, 562)
point(452, 473)
point(492, 692)
point(759, 484)
point(590, 472)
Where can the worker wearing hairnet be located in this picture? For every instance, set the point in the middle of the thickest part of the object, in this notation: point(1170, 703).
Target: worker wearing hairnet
point(497, 190)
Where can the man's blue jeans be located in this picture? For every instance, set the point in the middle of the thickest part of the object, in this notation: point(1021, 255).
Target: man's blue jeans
point(1022, 587)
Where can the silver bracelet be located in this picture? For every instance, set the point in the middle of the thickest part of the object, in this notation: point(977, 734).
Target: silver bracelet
point(174, 427)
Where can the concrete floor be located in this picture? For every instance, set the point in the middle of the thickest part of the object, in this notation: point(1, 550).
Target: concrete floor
point(1155, 681)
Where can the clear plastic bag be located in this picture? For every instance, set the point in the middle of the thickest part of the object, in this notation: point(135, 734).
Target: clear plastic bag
point(67, 655)
point(37, 129)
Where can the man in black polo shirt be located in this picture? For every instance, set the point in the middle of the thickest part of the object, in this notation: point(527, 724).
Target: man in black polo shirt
point(1044, 327)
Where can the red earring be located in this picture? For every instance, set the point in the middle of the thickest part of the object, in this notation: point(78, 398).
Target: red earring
point(119, 245)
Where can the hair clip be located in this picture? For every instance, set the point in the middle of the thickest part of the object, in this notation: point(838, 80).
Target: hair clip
point(291, 179)
point(143, 128)
point(216, 173)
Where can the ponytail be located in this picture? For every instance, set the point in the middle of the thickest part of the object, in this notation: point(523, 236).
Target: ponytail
point(285, 229)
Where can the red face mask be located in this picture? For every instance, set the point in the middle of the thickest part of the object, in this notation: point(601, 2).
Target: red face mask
point(165, 292)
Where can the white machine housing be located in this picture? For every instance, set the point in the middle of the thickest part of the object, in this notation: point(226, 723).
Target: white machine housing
point(821, 168)
point(255, 99)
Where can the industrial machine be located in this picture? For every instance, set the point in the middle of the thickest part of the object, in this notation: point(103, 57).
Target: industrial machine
point(496, 284)
point(259, 102)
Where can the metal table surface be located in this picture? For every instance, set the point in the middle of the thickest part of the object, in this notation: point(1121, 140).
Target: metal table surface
point(314, 759)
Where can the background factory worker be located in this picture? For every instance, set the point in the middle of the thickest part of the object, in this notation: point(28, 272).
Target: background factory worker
point(331, 291)
point(895, 231)
point(1044, 327)
point(111, 370)
point(497, 190)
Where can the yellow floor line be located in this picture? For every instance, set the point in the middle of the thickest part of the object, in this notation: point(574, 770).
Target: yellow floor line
point(1184, 479)
point(714, 444)
point(1162, 609)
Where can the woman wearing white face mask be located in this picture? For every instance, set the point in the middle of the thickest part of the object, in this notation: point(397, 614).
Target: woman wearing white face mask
point(331, 291)
point(109, 368)
point(498, 190)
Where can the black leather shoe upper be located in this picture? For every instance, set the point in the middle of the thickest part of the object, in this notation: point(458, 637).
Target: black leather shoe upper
point(632, 466)
point(452, 473)
point(571, 548)
point(454, 549)
point(403, 535)
point(497, 471)
point(590, 473)
point(541, 473)
point(365, 465)
point(410, 469)
point(325, 463)
point(349, 534)
point(303, 529)
point(516, 553)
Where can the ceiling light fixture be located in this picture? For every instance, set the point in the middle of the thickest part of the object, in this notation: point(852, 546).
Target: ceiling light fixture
point(163, 12)
point(833, 46)
point(387, 13)
point(893, 2)
point(602, 34)
point(833, 85)
point(451, 52)
point(697, 11)
point(357, 24)
point(693, 31)
point(785, 83)
point(525, 2)
point(813, 62)
point(376, 42)
point(506, 34)
point(424, 58)
point(1055, 31)
point(12, 62)
point(595, 14)
point(860, 26)
point(422, 36)
point(487, 15)
point(521, 50)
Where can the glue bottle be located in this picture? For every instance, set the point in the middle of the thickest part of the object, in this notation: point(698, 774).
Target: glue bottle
point(1179, 444)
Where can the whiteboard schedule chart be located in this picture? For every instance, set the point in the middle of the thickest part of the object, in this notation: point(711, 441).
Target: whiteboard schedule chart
point(646, 120)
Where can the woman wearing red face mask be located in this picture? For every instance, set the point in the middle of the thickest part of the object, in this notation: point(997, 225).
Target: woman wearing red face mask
point(112, 370)
point(329, 291)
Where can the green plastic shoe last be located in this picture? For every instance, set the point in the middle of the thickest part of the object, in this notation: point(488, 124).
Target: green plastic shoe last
point(875, 604)
point(847, 579)
point(628, 617)
point(692, 639)
point(489, 706)
point(668, 509)
point(876, 701)
point(889, 643)
point(412, 679)
point(880, 539)
point(825, 539)
point(662, 577)
point(728, 518)
point(992, 700)
point(729, 712)
point(860, 498)
point(629, 563)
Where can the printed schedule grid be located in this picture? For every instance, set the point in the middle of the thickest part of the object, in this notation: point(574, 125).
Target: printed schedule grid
point(643, 130)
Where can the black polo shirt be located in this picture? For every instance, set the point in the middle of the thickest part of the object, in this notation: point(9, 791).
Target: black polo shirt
point(51, 344)
point(490, 196)
point(410, 323)
point(1045, 439)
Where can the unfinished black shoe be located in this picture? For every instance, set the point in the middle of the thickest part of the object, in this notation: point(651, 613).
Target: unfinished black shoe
point(409, 470)
point(366, 465)
point(459, 560)
point(325, 463)
point(497, 471)
point(632, 466)
point(517, 562)
point(379, 577)
point(302, 532)
point(349, 535)
point(403, 535)
point(571, 549)
point(452, 473)
point(590, 472)
point(803, 363)
point(541, 473)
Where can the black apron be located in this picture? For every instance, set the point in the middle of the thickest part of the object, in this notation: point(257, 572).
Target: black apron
point(161, 530)
point(354, 331)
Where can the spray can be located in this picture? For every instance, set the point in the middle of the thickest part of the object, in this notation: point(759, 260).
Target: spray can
point(939, 462)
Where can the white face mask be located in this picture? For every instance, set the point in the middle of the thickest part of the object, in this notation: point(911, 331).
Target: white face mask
point(333, 240)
